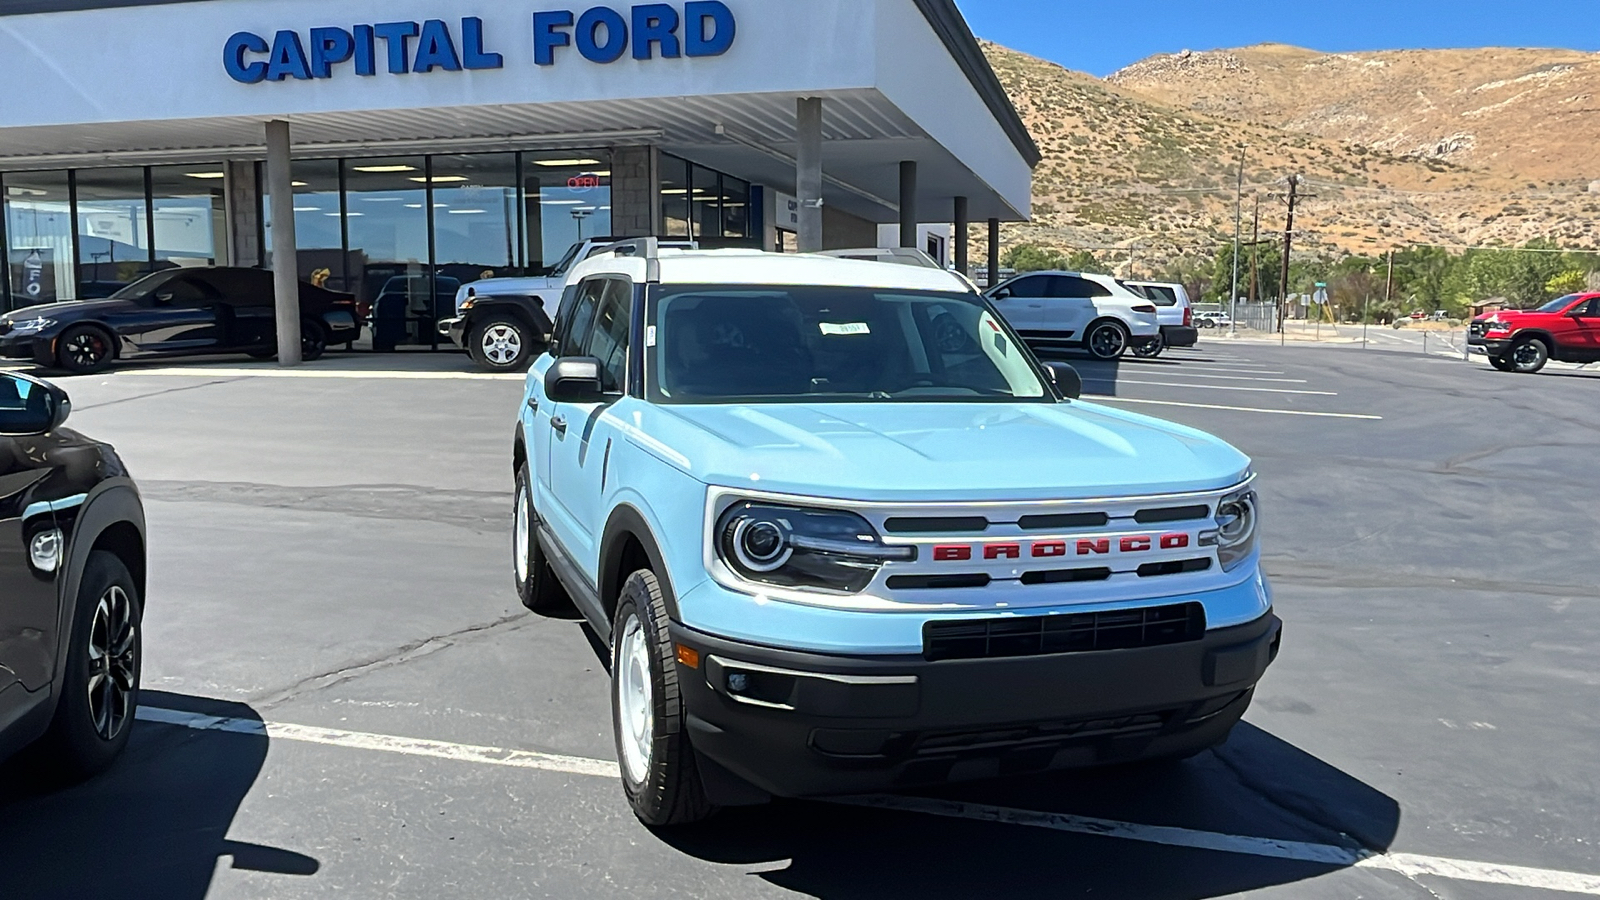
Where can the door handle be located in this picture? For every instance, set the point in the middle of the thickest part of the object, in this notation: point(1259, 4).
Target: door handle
point(559, 423)
point(533, 404)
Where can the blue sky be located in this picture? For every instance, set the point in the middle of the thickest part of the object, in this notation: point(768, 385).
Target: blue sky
point(1101, 36)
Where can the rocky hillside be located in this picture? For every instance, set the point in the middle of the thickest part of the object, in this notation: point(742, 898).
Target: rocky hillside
point(1147, 159)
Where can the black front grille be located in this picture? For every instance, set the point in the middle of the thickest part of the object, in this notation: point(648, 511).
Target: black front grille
point(1073, 633)
point(5, 327)
point(1042, 732)
point(1479, 329)
point(936, 525)
point(1171, 514)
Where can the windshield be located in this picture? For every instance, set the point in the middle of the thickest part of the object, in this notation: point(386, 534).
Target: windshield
point(145, 286)
point(561, 267)
point(1560, 304)
point(727, 343)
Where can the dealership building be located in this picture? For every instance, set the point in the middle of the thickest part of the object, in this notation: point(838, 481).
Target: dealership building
point(437, 143)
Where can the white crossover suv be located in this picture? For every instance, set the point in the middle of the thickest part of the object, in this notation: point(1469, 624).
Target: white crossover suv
point(1096, 313)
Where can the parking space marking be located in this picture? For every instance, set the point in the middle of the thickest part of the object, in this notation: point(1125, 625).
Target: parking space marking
point(1249, 409)
point(1223, 387)
point(209, 372)
point(1243, 378)
point(361, 740)
point(1232, 370)
point(1407, 864)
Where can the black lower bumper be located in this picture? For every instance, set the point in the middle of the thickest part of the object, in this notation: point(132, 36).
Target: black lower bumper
point(26, 347)
point(801, 724)
point(1493, 347)
point(455, 329)
point(1180, 335)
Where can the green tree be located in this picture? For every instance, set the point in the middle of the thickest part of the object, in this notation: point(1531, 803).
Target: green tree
point(1032, 258)
point(1572, 281)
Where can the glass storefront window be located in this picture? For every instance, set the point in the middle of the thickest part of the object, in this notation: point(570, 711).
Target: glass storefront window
point(387, 202)
point(706, 206)
point(475, 217)
point(38, 214)
point(735, 207)
point(318, 229)
point(568, 199)
point(191, 221)
point(674, 196)
point(113, 230)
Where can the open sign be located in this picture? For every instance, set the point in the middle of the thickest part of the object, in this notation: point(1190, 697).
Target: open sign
point(586, 182)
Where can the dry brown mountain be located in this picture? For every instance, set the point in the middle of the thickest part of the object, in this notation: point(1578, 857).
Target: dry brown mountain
point(1148, 158)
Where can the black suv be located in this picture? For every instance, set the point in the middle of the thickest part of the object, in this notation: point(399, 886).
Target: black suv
point(72, 576)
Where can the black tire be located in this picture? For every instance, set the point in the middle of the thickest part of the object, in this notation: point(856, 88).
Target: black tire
point(502, 343)
point(99, 689)
point(1152, 349)
point(1106, 340)
point(1529, 355)
point(263, 353)
point(537, 585)
point(658, 768)
point(313, 340)
point(1501, 363)
point(85, 349)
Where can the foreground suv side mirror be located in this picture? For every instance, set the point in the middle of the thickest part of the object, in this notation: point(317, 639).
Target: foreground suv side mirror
point(1066, 378)
point(574, 379)
point(31, 407)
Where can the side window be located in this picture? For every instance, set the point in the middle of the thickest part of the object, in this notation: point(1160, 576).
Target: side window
point(1033, 286)
point(1076, 288)
point(608, 342)
point(576, 324)
point(185, 292)
point(1592, 310)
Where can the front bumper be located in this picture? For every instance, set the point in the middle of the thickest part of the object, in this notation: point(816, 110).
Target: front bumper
point(455, 329)
point(27, 346)
point(806, 724)
point(1180, 335)
point(1491, 346)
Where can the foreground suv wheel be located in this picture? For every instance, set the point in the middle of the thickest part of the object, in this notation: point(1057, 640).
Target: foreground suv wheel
point(1107, 340)
point(658, 767)
point(537, 586)
point(1152, 349)
point(100, 686)
point(1529, 356)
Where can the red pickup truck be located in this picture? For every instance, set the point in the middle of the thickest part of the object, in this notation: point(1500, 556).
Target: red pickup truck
point(1567, 329)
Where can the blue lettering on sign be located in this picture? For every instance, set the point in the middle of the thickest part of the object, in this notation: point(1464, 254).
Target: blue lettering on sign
point(600, 34)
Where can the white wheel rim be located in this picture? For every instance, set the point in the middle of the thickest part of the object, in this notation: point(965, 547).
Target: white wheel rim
point(502, 344)
point(523, 537)
point(635, 708)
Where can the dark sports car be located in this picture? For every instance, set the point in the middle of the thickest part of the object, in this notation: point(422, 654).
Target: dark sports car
point(72, 574)
point(178, 312)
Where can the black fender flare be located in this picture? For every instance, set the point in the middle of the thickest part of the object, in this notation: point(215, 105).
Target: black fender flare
point(1549, 339)
point(528, 309)
point(112, 502)
point(626, 521)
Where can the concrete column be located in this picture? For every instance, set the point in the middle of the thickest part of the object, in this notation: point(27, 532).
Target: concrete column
point(963, 223)
point(285, 266)
point(243, 209)
point(635, 193)
point(908, 204)
point(808, 173)
point(994, 252)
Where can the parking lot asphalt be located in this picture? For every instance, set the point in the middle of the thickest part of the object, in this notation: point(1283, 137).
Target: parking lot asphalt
point(343, 695)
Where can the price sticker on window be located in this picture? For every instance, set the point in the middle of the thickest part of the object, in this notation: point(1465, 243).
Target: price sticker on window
point(851, 328)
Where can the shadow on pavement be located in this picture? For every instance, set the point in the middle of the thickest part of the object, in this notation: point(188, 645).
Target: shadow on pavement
point(1255, 786)
point(155, 825)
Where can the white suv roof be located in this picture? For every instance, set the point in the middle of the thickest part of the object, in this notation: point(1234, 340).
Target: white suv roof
point(758, 267)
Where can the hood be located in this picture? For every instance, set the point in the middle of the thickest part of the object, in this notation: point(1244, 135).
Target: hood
point(61, 309)
point(938, 451)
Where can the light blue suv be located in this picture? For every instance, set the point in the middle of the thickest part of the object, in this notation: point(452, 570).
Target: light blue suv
point(845, 534)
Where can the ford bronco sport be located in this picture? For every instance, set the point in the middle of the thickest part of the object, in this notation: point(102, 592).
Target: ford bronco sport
point(843, 533)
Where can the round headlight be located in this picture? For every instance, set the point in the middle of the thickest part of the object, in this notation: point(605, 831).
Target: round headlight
point(1236, 519)
point(761, 545)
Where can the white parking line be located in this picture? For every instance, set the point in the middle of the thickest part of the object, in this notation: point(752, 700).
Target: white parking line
point(1228, 387)
point(210, 372)
point(1243, 378)
point(1236, 370)
point(1406, 864)
point(1250, 409)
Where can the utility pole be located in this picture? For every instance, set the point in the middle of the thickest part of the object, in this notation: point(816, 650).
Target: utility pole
point(1388, 288)
point(1288, 243)
point(1255, 255)
point(1238, 215)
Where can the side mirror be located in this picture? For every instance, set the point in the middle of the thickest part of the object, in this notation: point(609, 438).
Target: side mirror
point(1067, 379)
point(574, 379)
point(31, 407)
point(1002, 294)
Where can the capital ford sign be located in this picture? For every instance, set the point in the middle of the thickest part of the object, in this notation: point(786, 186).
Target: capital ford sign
point(600, 35)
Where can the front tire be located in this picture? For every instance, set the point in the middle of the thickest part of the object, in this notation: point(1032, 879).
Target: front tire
point(1152, 349)
point(537, 586)
point(85, 349)
point(1529, 356)
point(100, 685)
point(1107, 340)
point(313, 340)
point(501, 343)
point(659, 774)
point(1501, 363)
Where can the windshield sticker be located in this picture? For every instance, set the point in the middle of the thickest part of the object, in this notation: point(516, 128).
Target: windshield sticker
point(851, 328)
point(650, 336)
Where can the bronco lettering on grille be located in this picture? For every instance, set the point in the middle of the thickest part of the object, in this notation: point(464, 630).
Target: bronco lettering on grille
point(1132, 544)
